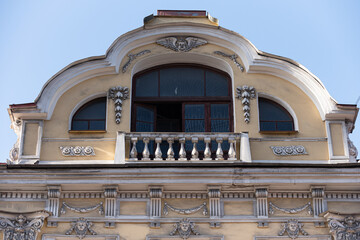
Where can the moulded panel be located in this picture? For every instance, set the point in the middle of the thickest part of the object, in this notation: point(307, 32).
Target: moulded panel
point(337, 139)
point(132, 208)
point(21, 207)
point(31, 138)
point(238, 208)
point(344, 207)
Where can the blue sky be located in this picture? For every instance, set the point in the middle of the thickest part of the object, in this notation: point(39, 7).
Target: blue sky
point(39, 38)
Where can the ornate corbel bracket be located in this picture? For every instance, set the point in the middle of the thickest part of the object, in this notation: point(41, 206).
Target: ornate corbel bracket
point(54, 193)
point(180, 43)
point(261, 194)
point(118, 94)
point(353, 152)
point(232, 57)
point(245, 93)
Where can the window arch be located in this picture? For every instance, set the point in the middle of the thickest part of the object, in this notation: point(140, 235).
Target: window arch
point(274, 117)
point(90, 116)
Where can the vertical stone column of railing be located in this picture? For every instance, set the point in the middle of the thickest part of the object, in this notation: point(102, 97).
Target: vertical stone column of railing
point(155, 194)
point(245, 152)
point(214, 193)
point(53, 203)
point(318, 193)
point(261, 194)
point(110, 193)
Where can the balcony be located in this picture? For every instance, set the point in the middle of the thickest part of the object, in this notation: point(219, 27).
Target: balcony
point(145, 147)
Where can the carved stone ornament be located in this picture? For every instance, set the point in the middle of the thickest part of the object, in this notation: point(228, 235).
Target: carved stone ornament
point(184, 228)
point(81, 227)
point(288, 150)
point(77, 151)
point(291, 210)
point(185, 211)
point(233, 58)
point(245, 93)
point(118, 94)
point(14, 154)
point(293, 228)
point(353, 152)
point(82, 210)
point(180, 43)
point(132, 57)
point(23, 226)
point(343, 226)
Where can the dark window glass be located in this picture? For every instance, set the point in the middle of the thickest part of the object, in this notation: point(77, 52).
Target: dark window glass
point(274, 117)
point(91, 116)
point(144, 119)
point(216, 84)
point(147, 85)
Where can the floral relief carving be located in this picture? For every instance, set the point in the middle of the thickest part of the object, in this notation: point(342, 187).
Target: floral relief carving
point(343, 226)
point(82, 210)
point(77, 151)
point(293, 229)
point(184, 228)
point(132, 57)
point(288, 150)
point(118, 94)
point(232, 57)
point(291, 210)
point(185, 211)
point(245, 93)
point(353, 152)
point(180, 43)
point(81, 227)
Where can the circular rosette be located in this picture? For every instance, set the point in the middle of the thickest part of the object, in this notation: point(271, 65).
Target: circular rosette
point(77, 150)
point(289, 150)
point(88, 150)
point(66, 151)
point(300, 149)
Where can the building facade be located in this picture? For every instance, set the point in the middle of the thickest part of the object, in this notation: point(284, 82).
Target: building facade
point(182, 130)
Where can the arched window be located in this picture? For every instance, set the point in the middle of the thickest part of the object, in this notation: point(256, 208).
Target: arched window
point(91, 116)
point(274, 117)
point(182, 98)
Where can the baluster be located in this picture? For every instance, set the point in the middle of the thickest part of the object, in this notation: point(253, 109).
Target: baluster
point(158, 153)
point(170, 152)
point(146, 152)
point(133, 152)
point(219, 151)
point(207, 152)
point(182, 152)
point(194, 152)
point(232, 151)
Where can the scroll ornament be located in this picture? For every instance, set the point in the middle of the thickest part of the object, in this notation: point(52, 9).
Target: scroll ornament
point(132, 57)
point(82, 210)
point(81, 227)
point(185, 211)
point(118, 94)
point(23, 227)
point(245, 93)
point(293, 228)
point(181, 44)
point(184, 228)
point(232, 57)
point(343, 226)
point(291, 210)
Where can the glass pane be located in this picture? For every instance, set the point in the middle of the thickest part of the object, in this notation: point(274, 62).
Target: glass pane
point(147, 85)
point(144, 114)
point(220, 126)
point(267, 126)
point(97, 125)
point(95, 109)
point(144, 127)
point(181, 82)
point(270, 111)
point(194, 126)
point(194, 111)
point(80, 125)
point(285, 126)
point(216, 84)
point(219, 111)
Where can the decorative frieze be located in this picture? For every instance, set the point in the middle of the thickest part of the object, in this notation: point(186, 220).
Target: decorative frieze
point(82, 194)
point(132, 57)
point(180, 43)
point(185, 211)
point(245, 93)
point(184, 228)
point(77, 151)
point(185, 195)
point(307, 206)
point(290, 195)
point(83, 209)
point(293, 229)
point(343, 226)
point(81, 227)
point(238, 195)
point(289, 150)
point(23, 195)
point(22, 226)
point(118, 94)
point(232, 57)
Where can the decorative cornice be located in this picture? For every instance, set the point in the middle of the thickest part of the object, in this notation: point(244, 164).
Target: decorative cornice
point(83, 209)
point(245, 93)
point(289, 150)
point(118, 94)
point(132, 57)
point(232, 57)
point(185, 211)
point(180, 43)
point(291, 210)
point(70, 151)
